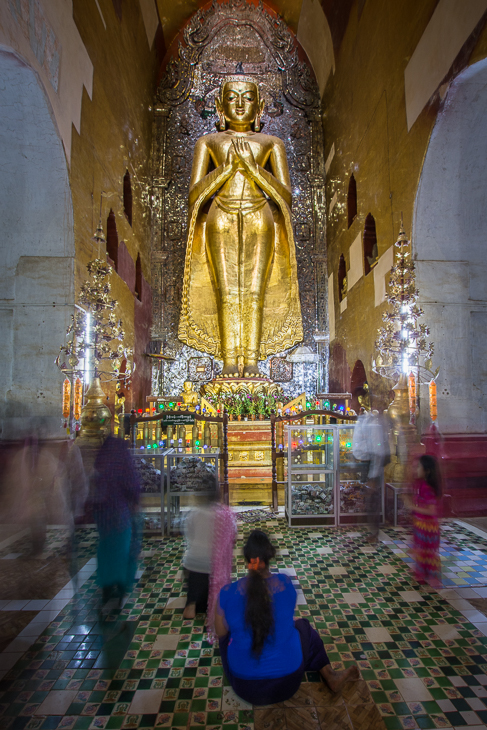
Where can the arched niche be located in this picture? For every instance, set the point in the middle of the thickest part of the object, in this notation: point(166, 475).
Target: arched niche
point(112, 239)
point(352, 200)
point(449, 241)
point(342, 275)
point(357, 381)
point(215, 40)
point(127, 197)
point(36, 250)
point(339, 377)
point(371, 251)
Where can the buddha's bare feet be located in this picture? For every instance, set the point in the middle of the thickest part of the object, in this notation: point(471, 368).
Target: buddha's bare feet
point(336, 680)
point(230, 371)
point(190, 611)
point(251, 371)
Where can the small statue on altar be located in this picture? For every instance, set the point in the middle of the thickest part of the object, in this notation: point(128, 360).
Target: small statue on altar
point(344, 288)
point(119, 408)
point(120, 400)
point(189, 396)
point(240, 298)
point(364, 398)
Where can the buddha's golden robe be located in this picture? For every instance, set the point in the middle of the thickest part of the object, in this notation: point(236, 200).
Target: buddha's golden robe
point(200, 325)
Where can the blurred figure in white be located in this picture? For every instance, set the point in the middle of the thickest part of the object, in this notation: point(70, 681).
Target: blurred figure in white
point(371, 447)
point(210, 531)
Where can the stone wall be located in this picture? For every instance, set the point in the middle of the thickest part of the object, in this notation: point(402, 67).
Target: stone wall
point(115, 137)
point(449, 234)
point(76, 96)
point(37, 252)
point(377, 125)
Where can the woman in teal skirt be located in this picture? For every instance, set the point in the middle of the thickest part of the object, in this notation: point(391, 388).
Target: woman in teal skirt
point(115, 507)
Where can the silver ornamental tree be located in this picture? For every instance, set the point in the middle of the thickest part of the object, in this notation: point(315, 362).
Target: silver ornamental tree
point(402, 342)
point(95, 336)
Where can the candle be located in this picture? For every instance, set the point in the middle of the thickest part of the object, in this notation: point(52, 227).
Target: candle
point(412, 392)
point(433, 406)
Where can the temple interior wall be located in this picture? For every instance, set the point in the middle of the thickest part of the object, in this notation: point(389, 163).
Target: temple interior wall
point(367, 108)
point(76, 115)
point(37, 251)
point(391, 116)
point(116, 132)
point(450, 219)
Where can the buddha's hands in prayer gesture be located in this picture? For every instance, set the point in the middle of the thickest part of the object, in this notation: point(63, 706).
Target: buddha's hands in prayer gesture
point(233, 159)
point(245, 154)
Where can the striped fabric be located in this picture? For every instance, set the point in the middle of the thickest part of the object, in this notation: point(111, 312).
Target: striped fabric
point(426, 536)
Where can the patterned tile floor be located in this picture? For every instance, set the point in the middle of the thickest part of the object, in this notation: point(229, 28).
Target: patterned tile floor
point(423, 662)
point(463, 556)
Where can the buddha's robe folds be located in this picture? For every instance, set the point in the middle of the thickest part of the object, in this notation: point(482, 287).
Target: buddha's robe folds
point(240, 291)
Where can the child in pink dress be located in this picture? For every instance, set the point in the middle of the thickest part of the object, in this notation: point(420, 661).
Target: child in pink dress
point(426, 528)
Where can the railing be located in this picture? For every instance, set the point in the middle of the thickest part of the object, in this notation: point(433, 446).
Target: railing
point(149, 431)
point(277, 426)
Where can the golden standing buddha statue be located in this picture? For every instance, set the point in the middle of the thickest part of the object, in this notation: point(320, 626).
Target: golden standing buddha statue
point(240, 292)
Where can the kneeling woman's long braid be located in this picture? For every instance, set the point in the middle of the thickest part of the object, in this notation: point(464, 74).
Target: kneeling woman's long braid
point(259, 616)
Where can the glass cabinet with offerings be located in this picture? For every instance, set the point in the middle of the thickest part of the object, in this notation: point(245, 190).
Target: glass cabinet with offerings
point(326, 485)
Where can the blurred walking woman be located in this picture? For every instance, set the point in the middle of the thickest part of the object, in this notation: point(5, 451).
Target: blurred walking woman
point(264, 651)
point(426, 528)
point(115, 508)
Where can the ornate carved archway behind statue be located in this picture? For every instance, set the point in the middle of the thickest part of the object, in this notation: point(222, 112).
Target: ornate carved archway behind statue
point(215, 40)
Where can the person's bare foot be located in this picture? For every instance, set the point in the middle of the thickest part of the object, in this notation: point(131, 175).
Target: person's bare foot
point(190, 611)
point(336, 680)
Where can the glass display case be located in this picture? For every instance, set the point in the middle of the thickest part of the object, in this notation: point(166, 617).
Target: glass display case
point(326, 485)
point(184, 489)
point(396, 510)
point(152, 469)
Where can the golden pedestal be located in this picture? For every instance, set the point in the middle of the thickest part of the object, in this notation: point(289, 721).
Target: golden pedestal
point(95, 416)
point(249, 386)
point(403, 434)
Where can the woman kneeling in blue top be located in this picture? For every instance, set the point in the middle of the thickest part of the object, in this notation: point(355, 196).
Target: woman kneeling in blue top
point(264, 651)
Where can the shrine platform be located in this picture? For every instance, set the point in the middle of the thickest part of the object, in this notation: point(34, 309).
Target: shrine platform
point(250, 462)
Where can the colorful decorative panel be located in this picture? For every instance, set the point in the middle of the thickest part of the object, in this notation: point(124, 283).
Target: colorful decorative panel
point(200, 368)
point(281, 370)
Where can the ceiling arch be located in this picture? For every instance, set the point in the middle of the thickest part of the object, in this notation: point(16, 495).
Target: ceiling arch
point(307, 19)
point(174, 14)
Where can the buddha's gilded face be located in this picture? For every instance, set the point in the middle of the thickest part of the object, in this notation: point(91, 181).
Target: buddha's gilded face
point(240, 102)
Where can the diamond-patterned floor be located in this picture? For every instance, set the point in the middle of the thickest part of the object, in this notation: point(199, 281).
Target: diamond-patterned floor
point(423, 662)
point(463, 555)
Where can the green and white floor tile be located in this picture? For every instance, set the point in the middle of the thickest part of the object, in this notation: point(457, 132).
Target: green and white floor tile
point(423, 662)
